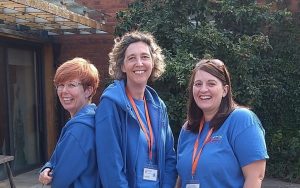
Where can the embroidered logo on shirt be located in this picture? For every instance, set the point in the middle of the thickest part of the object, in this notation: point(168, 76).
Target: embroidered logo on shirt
point(216, 138)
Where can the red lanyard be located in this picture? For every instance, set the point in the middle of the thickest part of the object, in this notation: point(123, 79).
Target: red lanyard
point(150, 139)
point(196, 155)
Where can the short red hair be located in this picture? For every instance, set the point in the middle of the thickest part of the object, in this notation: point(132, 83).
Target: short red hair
point(78, 68)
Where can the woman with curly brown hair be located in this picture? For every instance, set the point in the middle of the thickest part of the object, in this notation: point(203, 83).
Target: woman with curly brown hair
point(135, 146)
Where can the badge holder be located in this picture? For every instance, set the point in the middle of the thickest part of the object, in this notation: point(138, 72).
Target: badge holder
point(150, 173)
point(193, 184)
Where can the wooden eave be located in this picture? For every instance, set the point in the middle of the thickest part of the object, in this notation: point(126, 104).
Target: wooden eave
point(42, 15)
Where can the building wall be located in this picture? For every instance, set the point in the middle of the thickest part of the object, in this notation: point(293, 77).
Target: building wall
point(109, 9)
point(92, 47)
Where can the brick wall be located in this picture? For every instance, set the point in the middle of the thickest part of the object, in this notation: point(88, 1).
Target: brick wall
point(107, 7)
point(93, 47)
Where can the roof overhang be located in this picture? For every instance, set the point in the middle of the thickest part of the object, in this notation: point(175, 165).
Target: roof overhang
point(40, 15)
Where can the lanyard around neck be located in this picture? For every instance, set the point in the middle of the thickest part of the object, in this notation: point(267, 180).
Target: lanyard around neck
point(149, 137)
point(196, 155)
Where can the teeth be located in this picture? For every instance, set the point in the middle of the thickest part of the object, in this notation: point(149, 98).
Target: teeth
point(205, 97)
point(67, 99)
point(139, 72)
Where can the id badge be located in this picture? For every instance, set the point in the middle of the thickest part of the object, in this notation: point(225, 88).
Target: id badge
point(150, 173)
point(193, 184)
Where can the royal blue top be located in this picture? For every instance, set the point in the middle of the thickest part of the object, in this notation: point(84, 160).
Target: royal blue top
point(237, 143)
point(73, 161)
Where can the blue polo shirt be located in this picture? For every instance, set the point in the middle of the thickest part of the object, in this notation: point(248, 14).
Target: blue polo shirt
point(237, 143)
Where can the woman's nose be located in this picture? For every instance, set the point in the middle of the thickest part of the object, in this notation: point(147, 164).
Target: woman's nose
point(203, 88)
point(139, 61)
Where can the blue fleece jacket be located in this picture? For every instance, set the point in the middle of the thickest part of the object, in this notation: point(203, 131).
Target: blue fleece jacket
point(73, 161)
point(117, 138)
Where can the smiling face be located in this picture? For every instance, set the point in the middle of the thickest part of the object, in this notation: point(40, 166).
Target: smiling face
point(208, 91)
point(72, 95)
point(138, 64)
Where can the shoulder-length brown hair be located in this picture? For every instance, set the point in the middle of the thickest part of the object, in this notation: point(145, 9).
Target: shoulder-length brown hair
point(216, 68)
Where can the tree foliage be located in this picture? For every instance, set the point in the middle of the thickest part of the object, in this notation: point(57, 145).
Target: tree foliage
point(261, 48)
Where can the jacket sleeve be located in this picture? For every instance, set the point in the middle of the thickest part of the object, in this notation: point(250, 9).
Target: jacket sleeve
point(108, 145)
point(72, 161)
point(47, 165)
point(170, 175)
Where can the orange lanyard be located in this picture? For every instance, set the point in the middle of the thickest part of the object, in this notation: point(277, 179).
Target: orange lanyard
point(196, 155)
point(150, 139)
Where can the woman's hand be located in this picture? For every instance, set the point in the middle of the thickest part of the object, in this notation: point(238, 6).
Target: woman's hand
point(45, 176)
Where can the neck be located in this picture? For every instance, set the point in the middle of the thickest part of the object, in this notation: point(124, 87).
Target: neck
point(137, 92)
point(209, 115)
point(73, 113)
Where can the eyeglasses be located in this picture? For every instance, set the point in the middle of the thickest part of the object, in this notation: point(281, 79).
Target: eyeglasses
point(69, 86)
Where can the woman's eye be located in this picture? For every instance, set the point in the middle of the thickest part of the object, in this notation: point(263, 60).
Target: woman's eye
point(71, 85)
point(197, 84)
point(131, 58)
point(211, 84)
point(60, 86)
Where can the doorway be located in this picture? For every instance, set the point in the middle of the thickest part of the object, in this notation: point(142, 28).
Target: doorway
point(19, 107)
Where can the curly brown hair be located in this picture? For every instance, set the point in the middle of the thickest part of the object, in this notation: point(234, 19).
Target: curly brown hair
point(117, 55)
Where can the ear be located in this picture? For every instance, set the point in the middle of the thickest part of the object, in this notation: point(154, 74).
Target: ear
point(225, 90)
point(88, 92)
point(123, 68)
